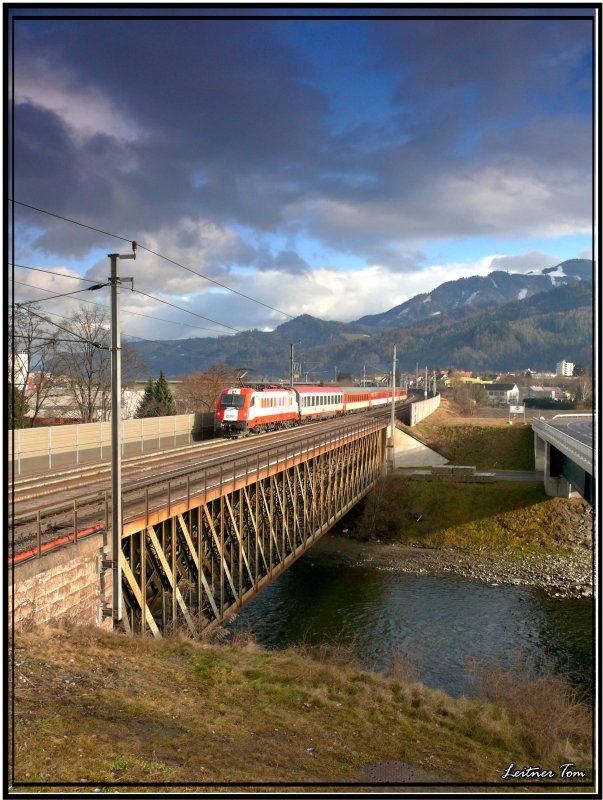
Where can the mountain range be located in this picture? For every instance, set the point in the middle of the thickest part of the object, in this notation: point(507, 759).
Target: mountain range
point(499, 322)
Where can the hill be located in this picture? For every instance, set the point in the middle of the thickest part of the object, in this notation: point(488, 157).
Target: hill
point(532, 330)
point(467, 295)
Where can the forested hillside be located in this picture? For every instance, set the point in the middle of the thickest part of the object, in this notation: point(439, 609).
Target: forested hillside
point(531, 333)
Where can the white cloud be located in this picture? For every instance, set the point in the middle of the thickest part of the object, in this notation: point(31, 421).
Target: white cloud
point(86, 110)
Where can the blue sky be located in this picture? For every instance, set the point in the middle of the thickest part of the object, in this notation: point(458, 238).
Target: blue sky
point(331, 167)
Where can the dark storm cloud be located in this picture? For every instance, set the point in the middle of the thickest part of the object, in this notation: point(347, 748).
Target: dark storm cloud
point(487, 132)
point(216, 121)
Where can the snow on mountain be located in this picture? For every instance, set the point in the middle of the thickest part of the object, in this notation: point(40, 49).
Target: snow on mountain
point(468, 295)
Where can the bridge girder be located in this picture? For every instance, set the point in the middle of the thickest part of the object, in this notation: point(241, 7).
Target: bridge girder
point(192, 567)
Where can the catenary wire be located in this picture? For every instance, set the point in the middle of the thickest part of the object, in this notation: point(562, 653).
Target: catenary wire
point(56, 325)
point(65, 294)
point(52, 272)
point(194, 313)
point(124, 310)
point(92, 303)
point(155, 253)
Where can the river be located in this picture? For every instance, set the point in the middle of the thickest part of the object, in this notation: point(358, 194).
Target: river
point(438, 625)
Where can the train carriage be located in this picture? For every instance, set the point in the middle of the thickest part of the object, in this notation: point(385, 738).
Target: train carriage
point(319, 402)
point(244, 410)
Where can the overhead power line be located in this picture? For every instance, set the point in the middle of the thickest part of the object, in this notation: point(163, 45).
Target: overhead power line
point(66, 219)
point(188, 311)
point(81, 338)
point(65, 294)
point(52, 272)
point(124, 310)
point(155, 253)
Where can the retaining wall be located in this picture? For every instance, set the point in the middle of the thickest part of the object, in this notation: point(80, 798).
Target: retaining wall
point(64, 584)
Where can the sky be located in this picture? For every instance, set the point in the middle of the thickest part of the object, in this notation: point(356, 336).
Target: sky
point(333, 167)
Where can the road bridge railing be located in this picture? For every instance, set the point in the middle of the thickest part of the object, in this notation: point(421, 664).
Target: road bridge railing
point(581, 452)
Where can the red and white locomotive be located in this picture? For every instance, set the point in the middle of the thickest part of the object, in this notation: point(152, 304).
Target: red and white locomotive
point(246, 409)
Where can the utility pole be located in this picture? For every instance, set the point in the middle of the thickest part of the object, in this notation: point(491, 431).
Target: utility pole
point(426, 381)
point(116, 499)
point(391, 445)
point(291, 362)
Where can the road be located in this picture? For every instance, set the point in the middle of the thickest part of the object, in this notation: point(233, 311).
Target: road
point(580, 428)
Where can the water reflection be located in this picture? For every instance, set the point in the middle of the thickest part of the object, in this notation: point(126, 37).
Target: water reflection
point(439, 624)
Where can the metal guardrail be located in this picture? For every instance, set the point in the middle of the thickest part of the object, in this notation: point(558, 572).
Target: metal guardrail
point(573, 448)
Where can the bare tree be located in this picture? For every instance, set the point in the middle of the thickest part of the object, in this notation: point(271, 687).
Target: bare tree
point(468, 396)
point(86, 363)
point(200, 391)
point(35, 346)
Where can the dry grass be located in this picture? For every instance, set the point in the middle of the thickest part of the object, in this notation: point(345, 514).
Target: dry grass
point(553, 714)
point(93, 707)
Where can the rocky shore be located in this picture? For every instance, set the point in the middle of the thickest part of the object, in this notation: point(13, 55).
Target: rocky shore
point(558, 575)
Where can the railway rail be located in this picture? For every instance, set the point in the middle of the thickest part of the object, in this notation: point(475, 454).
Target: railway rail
point(77, 501)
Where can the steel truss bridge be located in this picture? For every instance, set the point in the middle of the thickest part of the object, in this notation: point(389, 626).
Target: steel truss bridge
point(224, 531)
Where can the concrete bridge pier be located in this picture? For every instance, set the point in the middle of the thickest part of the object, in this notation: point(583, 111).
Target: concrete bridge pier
point(550, 461)
point(539, 453)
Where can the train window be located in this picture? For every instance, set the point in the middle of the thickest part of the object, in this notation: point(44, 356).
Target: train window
point(232, 400)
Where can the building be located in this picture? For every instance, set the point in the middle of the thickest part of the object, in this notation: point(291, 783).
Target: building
point(543, 393)
point(500, 394)
point(21, 369)
point(565, 368)
point(454, 380)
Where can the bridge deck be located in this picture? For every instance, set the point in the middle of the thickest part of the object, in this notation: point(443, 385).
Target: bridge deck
point(199, 541)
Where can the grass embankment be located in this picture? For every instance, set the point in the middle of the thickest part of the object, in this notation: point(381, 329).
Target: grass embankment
point(510, 516)
point(96, 707)
point(490, 446)
point(468, 516)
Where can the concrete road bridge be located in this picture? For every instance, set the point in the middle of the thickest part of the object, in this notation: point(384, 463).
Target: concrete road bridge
point(198, 541)
point(563, 450)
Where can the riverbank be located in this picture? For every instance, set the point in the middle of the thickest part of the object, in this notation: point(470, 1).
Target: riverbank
point(95, 708)
point(500, 533)
point(557, 575)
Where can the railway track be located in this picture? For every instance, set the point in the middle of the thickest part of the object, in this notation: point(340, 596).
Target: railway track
point(59, 505)
point(34, 487)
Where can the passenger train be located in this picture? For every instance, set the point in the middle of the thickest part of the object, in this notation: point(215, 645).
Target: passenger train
point(246, 409)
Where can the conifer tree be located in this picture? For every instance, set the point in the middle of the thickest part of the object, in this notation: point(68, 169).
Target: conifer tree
point(163, 397)
point(148, 405)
